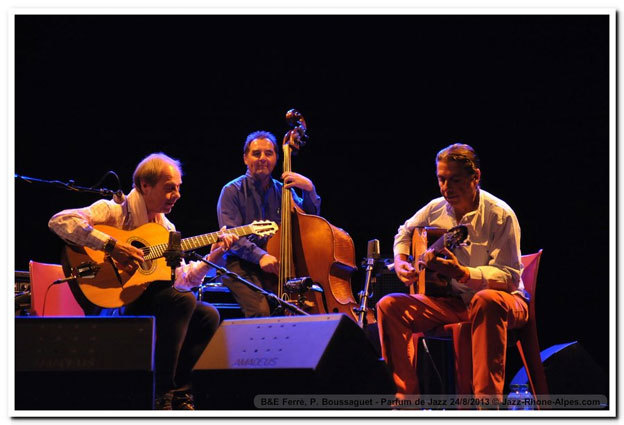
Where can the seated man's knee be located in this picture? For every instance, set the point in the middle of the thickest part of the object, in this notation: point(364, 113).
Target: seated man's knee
point(186, 301)
point(210, 316)
point(389, 303)
point(486, 301)
point(255, 306)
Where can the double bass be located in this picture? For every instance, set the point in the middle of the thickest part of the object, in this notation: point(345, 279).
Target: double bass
point(311, 251)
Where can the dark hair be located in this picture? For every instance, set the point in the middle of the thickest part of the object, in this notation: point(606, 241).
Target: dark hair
point(461, 153)
point(261, 134)
point(150, 169)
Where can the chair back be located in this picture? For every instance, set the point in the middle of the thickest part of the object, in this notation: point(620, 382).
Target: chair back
point(528, 344)
point(47, 299)
point(531, 264)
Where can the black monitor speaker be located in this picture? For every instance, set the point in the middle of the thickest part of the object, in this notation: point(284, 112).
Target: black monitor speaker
point(84, 363)
point(317, 354)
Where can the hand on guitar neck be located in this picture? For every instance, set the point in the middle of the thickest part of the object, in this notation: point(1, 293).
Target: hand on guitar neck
point(448, 267)
point(443, 262)
point(438, 260)
point(225, 242)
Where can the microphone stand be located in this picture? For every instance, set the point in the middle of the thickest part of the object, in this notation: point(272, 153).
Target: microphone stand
point(223, 271)
point(365, 293)
point(71, 186)
point(373, 254)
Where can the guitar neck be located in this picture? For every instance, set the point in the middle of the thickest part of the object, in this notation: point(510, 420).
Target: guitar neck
point(439, 244)
point(196, 242)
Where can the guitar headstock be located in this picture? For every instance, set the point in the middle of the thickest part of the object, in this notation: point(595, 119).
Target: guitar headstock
point(455, 237)
point(264, 227)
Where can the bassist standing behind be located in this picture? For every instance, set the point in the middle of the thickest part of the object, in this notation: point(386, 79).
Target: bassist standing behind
point(257, 196)
point(486, 287)
point(183, 325)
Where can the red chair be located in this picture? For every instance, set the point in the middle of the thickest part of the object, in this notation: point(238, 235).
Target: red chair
point(525, 339)
point(47, 299)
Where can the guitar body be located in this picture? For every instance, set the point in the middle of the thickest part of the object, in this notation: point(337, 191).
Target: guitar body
point(111, 287)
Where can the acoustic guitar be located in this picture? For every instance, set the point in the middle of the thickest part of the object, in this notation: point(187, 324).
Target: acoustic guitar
point(429, 282)
point(105, 285)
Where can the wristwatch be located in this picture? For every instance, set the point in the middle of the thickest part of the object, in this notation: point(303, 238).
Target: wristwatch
point(465, 278)
point(110, 245)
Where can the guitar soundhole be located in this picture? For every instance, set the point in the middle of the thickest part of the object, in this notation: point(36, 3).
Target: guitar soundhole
point(148, 266)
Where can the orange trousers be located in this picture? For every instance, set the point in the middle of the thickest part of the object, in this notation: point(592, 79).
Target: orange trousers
point(491, 313)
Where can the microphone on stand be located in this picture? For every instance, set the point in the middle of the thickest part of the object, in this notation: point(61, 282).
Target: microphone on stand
point(173, 254)
point(372, 250)
point(302, 284)
point(86, 270)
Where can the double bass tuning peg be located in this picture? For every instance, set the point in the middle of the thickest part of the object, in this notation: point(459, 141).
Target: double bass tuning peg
point(295, 119)
point(297, 136)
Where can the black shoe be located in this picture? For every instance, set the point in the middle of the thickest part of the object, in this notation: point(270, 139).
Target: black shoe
point(182, 400)
point(163, 402)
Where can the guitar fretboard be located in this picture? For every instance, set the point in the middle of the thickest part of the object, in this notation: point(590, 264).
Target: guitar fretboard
point(195, 242)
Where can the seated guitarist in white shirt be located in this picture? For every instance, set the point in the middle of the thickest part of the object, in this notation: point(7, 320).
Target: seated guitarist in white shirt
point(485, 283)
point(184, 326)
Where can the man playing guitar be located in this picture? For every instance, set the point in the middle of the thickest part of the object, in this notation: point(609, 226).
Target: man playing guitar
point(183, 325)
point(483, 274)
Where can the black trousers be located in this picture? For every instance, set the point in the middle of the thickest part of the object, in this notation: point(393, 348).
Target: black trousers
point(252, 303)
point(184, 326)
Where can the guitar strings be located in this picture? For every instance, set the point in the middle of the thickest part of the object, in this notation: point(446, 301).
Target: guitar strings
point(155, 251)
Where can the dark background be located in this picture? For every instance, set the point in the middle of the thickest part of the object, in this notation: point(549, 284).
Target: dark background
point(380, 94)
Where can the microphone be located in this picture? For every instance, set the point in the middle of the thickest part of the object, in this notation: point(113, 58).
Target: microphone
point(372, 250)
point(86, 270)
point(175, 239)
point(173, 254)
point(372, 253)
point(119, 197)
point(301, 285)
